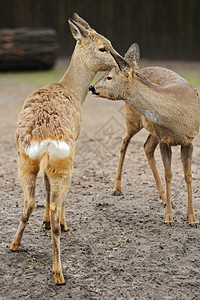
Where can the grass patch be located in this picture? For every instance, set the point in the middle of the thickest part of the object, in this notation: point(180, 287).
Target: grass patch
point(32, 78)
point(40, 78)
point(97, 77)
point(193, 80)
point(35, 78)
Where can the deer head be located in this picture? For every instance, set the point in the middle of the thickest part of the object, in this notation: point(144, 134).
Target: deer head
point(114, 82)
point(94, 48)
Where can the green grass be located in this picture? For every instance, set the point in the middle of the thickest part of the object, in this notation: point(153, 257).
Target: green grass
point(37, 78)
point(97, 77)
point(34, 78)
point(193, 80)
point(40, 78)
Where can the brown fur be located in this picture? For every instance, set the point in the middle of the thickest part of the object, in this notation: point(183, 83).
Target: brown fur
point(166, 105)
point(47, 113)
point(54, 112)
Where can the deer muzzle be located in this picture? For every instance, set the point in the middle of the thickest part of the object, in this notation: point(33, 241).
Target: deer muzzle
point(92, 90)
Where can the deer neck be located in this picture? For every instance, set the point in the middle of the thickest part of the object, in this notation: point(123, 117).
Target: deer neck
point(78, 77)
point(148, 99)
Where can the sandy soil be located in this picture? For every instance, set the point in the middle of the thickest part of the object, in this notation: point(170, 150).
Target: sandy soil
point(116, 247)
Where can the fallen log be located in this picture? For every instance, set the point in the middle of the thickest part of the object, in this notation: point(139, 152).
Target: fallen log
point(28, 49)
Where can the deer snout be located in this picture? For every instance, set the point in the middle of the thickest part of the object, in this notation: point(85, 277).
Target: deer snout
point(92, 90)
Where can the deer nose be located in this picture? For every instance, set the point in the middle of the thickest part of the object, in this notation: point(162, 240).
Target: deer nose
point(92, 89)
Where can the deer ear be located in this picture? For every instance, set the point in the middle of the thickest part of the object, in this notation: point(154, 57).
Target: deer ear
point(77, 30)
point(133, 53)
point(81, 21)
point(121, 62)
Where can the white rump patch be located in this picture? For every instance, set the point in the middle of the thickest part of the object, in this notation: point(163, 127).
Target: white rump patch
point(56, 149)
point(150, 116)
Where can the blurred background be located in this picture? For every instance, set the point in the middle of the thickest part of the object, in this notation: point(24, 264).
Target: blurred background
point(163, 29)
point(35, 35)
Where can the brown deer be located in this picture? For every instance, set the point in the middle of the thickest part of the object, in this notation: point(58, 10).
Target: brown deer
point(48, 127)
point(134, 123)
point(169, 108)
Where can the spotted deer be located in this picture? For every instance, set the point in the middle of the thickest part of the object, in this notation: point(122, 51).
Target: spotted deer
point(48, 126)
point(166, 105)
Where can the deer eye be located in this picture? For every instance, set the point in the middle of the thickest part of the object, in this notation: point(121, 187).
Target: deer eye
point(102, 49)
point(108, 78)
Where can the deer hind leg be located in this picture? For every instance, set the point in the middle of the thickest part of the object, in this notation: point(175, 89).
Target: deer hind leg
point(27, 174)
point(149, 148)
point(59, 187)
point(117, 182)
point(63, 224)
point(166, 154)
point(186, 157)
point(46, 219)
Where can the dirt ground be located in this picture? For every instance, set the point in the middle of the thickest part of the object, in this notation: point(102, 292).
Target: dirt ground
point(116, 247)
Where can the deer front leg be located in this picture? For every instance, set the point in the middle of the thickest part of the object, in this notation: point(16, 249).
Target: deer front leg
point(166, 154)
point(186, 157)
point(28, 179)
point(149, 148)
point(117, 181)
point(131, 131)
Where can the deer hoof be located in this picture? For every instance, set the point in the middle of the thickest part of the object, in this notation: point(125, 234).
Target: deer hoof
point(59, 278)
point(193, 225)
point(47, 224)
point(117, 193)
point(169, 219)
point(169, 223)
point(64, 227)
point(14, 246)
point(192, 220)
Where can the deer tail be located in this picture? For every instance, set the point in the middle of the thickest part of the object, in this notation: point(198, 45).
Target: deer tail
point(44, 162)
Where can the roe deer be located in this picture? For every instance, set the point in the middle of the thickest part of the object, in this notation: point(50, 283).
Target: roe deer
point(48, 127)
point(169, 106)
point(134, 123)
